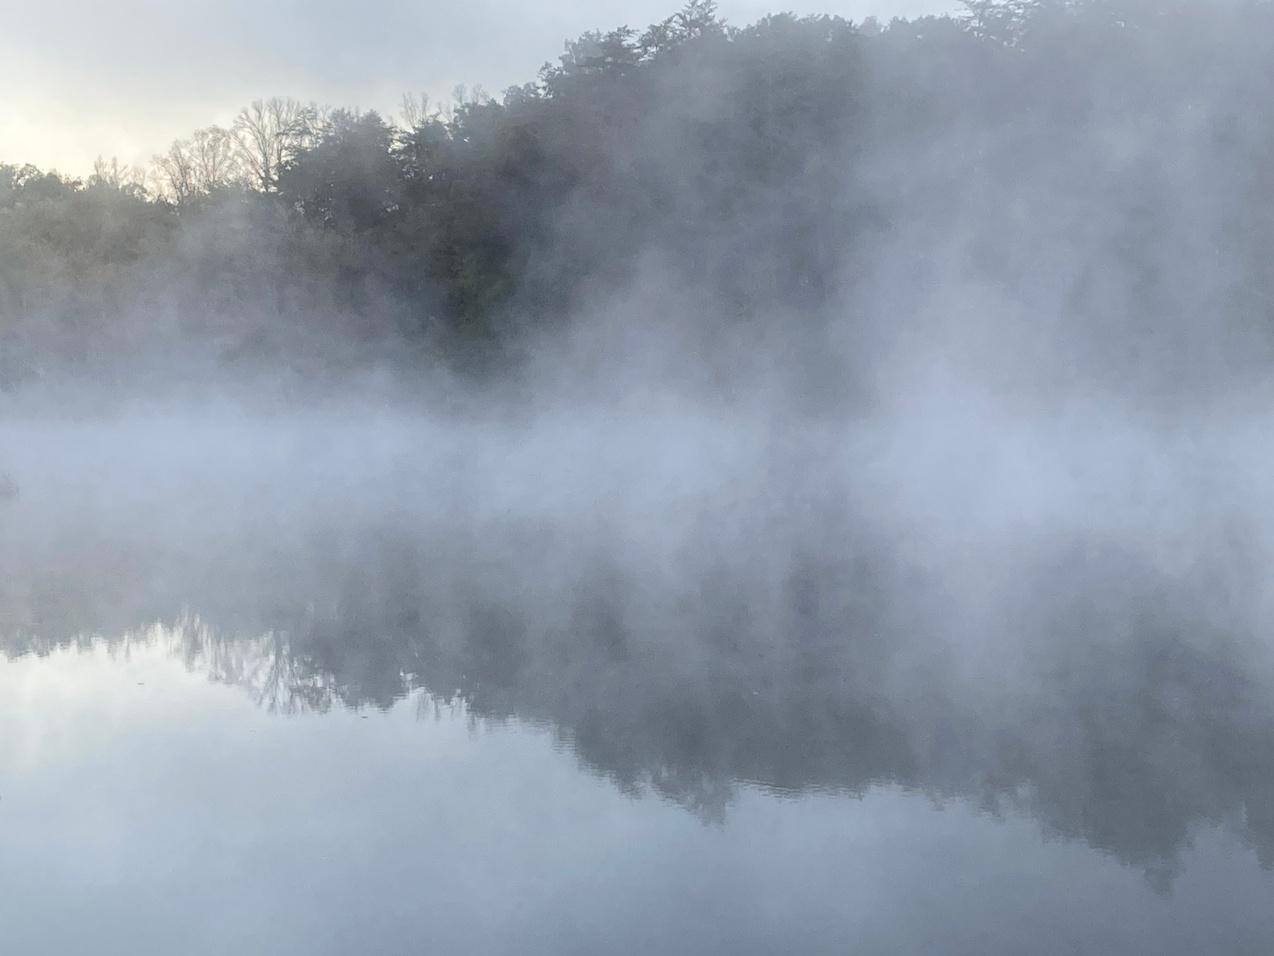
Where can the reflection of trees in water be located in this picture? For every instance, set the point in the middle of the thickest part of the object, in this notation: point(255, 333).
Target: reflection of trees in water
point(265, 667)
point(1127, 710)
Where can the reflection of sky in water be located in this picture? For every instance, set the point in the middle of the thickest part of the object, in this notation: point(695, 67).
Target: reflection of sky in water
point(147, 810)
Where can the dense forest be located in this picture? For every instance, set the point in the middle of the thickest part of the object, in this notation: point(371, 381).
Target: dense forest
point(1081, 189)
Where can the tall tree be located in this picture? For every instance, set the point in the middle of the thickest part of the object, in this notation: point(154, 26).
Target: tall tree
point(349, 177)
point(268, 134)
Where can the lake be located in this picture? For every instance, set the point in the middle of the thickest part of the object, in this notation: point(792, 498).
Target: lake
point(361, 681)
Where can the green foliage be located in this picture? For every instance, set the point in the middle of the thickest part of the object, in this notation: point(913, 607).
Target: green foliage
point(759, 165)
point(350, 178)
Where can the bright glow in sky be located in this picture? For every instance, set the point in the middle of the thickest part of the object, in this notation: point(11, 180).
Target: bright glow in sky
point(83, 78)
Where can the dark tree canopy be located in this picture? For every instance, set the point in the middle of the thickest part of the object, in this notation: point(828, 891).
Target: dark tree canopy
point(1098, 168)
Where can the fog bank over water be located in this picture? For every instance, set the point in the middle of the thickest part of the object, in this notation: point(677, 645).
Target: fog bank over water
point(728, 437)
point(944, 595)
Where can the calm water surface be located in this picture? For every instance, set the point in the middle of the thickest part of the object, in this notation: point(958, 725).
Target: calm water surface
point(353, 685)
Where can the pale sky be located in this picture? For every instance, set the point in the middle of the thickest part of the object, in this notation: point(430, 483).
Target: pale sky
point(84, 78)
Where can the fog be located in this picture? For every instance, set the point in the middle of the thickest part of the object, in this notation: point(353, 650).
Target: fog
point(954, 521)
point(949, 596)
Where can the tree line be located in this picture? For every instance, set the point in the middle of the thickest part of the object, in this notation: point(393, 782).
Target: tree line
point(786, 171)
